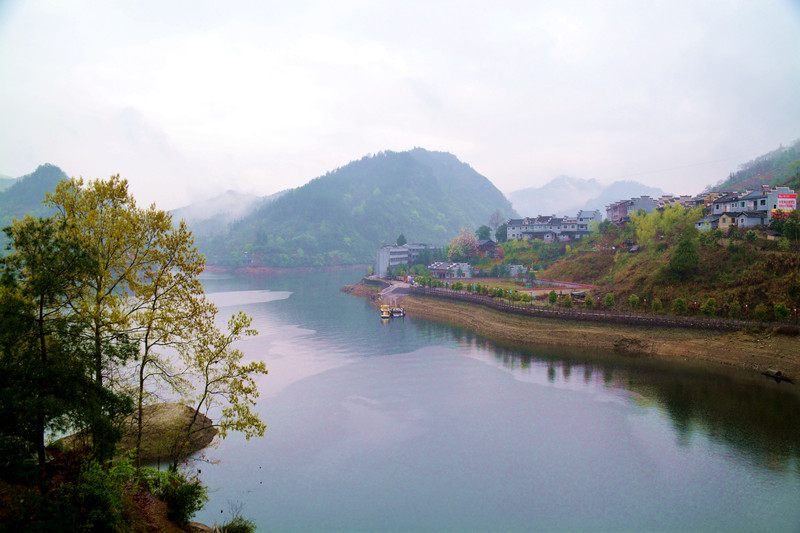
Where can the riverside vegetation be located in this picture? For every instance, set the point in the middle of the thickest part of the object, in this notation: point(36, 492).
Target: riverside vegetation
point(103, 315)
point(751, 274)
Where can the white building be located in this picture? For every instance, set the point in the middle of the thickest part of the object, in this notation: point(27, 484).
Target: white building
point(389, 256)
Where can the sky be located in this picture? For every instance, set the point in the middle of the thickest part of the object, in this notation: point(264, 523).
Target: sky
point(187, 99)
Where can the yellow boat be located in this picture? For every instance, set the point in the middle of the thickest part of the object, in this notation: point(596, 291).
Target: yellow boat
point(386, 311)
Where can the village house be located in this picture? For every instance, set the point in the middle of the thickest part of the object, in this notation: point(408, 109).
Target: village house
point(487, 248)
point(445, 270)
point(620, 212)
point(551, 228)
point(748, 209)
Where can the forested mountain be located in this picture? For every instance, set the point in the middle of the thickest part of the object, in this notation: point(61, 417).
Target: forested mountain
point(25, 195)
point(773, 168)
point(345, 215)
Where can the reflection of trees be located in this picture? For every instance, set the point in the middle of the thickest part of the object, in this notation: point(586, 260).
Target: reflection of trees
point(756, 417)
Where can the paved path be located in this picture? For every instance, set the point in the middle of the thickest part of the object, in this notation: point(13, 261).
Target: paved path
point(396, 290)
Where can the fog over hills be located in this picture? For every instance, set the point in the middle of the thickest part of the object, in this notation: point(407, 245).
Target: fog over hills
point(213, 215)
point(565, 195)
point(6, 182)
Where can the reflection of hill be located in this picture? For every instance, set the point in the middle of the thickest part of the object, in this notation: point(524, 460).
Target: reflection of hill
point(755, 417)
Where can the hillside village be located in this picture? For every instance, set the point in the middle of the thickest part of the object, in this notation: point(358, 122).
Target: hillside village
point(722, 210)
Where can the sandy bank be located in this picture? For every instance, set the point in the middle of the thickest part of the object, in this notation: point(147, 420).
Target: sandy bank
point(754, 352)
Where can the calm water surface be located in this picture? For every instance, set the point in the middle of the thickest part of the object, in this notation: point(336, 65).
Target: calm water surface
point(417, 426)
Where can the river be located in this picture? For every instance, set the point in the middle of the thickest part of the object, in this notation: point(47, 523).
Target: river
point(418, 426)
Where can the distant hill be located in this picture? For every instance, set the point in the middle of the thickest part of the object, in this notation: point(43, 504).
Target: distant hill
point(561, 196)
point(772, 168)
point(566, 196)
point(6, 182)
point(620, 190)
point(212, 216)
point(25, 195)
point(345, 215)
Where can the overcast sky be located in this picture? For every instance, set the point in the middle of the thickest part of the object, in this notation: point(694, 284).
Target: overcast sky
point(189, 98)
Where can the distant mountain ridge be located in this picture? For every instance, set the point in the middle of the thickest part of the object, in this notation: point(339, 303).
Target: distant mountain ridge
point(6, 182)
point(561, 196)
point(621, 190)
point(213, 215)
point(345, 215)
point(565, 195)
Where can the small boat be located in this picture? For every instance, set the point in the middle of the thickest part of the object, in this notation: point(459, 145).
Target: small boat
point(386, 311)
point(398, 312)
point(776, 375)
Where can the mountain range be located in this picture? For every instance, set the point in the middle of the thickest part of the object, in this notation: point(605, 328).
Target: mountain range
point(565, 195)
point(345, 215)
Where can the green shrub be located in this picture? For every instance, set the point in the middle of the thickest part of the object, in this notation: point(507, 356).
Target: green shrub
point(735, 309)
point(633, 301)
point(568, 301)
point(781, 311)
point(657, 305)
point(589, 302)
point(760, 312)
point(183, 498)
point(552, 297)
point(95, 501)
point(679, 306)
point(239, 525)
point(709, 307)
point(609, 300)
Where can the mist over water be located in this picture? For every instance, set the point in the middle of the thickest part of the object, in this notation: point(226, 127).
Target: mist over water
point(418, 426)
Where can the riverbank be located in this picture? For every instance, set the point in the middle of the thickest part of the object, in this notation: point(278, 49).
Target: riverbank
point(751, 351)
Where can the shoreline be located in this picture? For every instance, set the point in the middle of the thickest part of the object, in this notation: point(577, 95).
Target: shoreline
point(751, 352)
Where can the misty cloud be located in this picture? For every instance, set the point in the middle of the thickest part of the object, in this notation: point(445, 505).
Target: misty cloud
point(206, 97)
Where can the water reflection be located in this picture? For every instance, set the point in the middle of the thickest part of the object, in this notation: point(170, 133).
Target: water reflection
point(433, 426)
point(753, 415)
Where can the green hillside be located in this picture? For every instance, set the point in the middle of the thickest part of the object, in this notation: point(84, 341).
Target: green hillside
point(739, 270)
point(26, 196)
point(344, 216)
point(773, 168)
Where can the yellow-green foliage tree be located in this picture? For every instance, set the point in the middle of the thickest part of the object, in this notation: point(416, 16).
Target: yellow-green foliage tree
point(669, 222)
point(146, 288)
point(226, 383)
